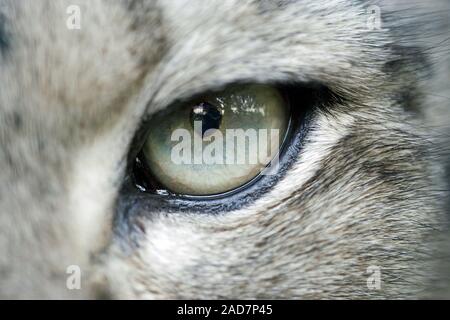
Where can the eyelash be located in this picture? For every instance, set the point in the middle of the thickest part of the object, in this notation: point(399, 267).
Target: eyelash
point(311, 97)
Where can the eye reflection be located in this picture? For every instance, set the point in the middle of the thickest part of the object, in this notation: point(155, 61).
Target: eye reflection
point(209, 115)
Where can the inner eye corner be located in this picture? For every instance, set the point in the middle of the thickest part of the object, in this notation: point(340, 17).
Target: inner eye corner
point(213, 116)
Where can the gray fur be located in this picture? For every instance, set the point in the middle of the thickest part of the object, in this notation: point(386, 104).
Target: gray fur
point(366, 189)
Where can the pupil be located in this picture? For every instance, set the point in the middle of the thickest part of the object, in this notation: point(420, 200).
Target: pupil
point(208, 114)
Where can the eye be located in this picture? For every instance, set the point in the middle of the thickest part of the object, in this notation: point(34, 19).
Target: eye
point(215, 143)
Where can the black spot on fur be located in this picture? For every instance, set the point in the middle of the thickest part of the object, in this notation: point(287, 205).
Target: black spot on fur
point(4, 37)
point(17, 119)
point(408, 66)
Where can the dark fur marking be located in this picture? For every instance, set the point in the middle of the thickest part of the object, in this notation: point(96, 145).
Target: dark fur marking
point(4, 37)
point(17, 119)
point(408, 64)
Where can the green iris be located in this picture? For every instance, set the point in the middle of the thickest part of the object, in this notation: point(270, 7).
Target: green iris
point(217, 142)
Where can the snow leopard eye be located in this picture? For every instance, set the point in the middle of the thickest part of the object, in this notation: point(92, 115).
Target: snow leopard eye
point(163, 172)
point(217, 142)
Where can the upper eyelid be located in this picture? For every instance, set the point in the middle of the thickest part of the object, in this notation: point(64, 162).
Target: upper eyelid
point(169, 86)
point(163, 93)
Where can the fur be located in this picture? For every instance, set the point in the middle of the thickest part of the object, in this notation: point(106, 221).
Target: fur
point(366, 188)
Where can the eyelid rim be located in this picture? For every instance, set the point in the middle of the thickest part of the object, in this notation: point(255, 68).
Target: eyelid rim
point(233, 202)
point(313, 97)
